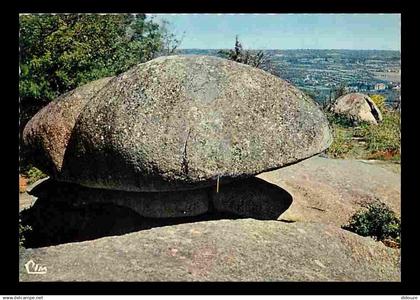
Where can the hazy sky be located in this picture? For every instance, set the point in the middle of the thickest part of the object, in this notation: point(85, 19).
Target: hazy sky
point(287, 31)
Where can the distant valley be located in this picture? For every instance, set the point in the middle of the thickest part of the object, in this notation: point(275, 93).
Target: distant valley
point(320, 72)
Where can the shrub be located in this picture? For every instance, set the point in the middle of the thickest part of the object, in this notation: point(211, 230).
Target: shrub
point(341, 120)
point(33, 174)
point(387, 135)
point(376, 220)
point(379, 100)
point(382, 141)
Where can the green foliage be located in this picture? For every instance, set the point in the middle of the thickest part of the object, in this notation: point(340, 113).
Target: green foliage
point(61, 52)
point(375, 220)
point(341, 143)
point(338, 119)
point(33, 174)
point(386, 136)
point(342, 129)
point(379, 101)
point(382, 141)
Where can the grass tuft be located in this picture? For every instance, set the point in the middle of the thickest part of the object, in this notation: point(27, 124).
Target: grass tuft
point(366, 141)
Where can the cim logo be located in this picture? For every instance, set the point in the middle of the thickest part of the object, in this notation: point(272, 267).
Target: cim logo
point(33, 268)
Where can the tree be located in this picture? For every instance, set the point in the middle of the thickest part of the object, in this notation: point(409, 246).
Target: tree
point(170, 42)
point(257, 59)
point(61, 52)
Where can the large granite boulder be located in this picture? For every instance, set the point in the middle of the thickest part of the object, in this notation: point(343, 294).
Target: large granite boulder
point(47, 134)
point(181, 122)
point(358, 107)
point(176, 123)
point(330, 191)
point(222, 250)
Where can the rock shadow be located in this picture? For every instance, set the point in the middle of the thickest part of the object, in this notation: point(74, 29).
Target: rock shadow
point(66, 212)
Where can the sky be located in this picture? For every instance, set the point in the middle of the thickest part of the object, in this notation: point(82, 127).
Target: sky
point(286, 31)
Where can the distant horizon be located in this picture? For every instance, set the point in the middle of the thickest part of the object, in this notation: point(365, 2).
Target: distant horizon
point(343, 49)
point(286, 31)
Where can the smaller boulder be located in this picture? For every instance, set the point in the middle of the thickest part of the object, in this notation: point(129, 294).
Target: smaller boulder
point(358, 107)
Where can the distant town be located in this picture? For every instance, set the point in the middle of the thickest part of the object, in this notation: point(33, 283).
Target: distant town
point(320, 72)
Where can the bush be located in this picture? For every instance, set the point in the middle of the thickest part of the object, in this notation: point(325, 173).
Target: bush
point(60, 52)
point(341, 120)
point(33, 174)
point(375, 220)
point(379, 100)
point(387, 135)
point(382, 141)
